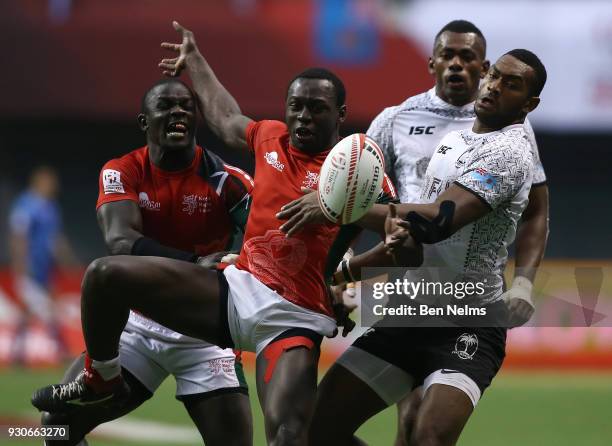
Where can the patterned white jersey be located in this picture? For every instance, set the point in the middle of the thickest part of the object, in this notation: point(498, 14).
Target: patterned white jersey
point(498, 168)
point(408, 134)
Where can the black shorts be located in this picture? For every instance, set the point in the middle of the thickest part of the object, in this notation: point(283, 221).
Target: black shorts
point(477, 352)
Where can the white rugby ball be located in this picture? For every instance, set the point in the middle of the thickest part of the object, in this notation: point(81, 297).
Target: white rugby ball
point(351, 178)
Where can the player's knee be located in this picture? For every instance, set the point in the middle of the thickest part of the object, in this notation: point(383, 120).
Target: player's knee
point(100, 273)
point(286, 432)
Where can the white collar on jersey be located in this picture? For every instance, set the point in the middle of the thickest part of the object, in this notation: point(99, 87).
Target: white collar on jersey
point(439, 102)
point(480, 135)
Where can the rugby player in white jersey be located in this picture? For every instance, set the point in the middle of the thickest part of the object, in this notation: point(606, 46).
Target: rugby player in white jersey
point(408, 135)
point(474, 191)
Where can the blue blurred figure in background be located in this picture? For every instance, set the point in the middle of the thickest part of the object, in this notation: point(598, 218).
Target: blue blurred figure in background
point(37, 244)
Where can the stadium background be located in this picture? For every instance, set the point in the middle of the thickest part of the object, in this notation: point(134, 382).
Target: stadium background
point(73, 74)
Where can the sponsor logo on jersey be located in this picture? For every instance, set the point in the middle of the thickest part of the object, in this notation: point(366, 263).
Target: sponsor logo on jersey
point(111, 180)
point(196, 203)
point(484, 177)
point(311, 180)
point(466, 346)
point(272, 159)
point(145, 203)
point(443, 149)
point(435, 187)
point(421, 130)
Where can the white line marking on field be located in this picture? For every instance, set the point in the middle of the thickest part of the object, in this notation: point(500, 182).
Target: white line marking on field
point(153, 431)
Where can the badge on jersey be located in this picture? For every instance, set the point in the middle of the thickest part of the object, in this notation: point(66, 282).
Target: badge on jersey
point(111, 179)
point(484, 177)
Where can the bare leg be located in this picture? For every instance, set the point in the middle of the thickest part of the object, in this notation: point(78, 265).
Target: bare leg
point(223, 420)
point(344, 402)
point(441, 417)
point(287, 399)
point(182, 296)
point(407, 410)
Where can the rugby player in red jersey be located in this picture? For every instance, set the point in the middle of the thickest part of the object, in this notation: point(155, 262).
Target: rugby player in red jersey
point(171, 198)
point(274, 301)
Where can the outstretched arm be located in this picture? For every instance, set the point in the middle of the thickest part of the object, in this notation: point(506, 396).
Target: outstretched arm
point(467, 208)
point(221, 111)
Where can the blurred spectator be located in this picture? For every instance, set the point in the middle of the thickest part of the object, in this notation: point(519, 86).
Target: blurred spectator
point(37, 244)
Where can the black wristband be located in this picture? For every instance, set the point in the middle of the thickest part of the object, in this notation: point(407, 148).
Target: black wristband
point(146, 246)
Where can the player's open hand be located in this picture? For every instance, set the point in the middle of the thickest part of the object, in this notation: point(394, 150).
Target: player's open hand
point(301, 212)
point(174, 66)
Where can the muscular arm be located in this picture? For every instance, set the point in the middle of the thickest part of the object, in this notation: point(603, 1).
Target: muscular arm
point(221, 111)
point(468, 208)
point(532, 234)
point(121, 225)
point(530, 244)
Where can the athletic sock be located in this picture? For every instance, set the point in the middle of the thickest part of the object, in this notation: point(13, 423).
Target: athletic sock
point(108, 369)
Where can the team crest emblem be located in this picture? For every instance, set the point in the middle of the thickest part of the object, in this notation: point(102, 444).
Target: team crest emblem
point(466, 346)
point(311, 180)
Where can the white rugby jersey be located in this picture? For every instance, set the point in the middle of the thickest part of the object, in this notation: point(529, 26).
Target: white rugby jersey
point(498, 168)
point(408, 134)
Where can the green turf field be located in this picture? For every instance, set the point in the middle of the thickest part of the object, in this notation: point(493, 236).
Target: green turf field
point(532, 408)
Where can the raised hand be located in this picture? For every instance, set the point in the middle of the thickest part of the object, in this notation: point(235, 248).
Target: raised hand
point(174, 66)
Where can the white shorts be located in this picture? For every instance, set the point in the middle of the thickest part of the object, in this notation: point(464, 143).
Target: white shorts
point(257, 314)
point(197, 368)
point(391, 383)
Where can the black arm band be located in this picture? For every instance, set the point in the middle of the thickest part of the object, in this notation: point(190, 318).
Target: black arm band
point(146, 246)
point(423, 230)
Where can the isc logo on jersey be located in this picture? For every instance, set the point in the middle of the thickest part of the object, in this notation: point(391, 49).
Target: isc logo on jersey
point(421, 130)
point(351, 179)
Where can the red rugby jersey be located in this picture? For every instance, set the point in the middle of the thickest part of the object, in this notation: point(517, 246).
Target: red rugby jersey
point(294, 267)
point(190, 209)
